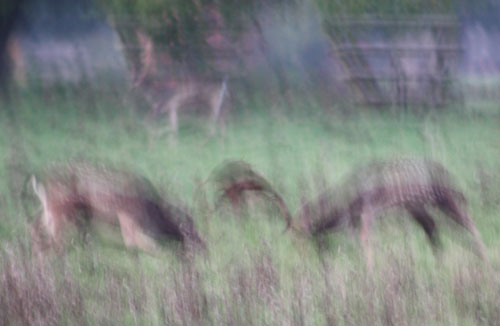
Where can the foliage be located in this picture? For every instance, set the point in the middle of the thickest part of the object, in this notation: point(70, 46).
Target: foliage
point(7, 8)
point(253, 273)
point(183, 25)
point(385, 7)
point(178, 24)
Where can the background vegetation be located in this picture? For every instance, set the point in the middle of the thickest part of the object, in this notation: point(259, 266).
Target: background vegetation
point(253, 274)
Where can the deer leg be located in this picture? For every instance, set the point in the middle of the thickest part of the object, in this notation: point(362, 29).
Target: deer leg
point(450, 207)
point(53, 222)
point(133, 236)
point(216, 101)
point(221, 123)
point(127, 227)
point(173, 123)
point(83, 226)
point(223, 114)
point(214, 116)
point(425, 220)
point(366, 229)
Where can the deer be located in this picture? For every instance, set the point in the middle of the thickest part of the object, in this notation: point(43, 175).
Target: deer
point(233, 178)
point(169, 99)
point(77, 194)
point(170, 96)
point(371, 190)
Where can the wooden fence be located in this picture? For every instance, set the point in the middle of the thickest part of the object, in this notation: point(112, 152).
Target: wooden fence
point(408, 60)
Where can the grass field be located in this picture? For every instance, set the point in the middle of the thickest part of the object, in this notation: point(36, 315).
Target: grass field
point(253, 274)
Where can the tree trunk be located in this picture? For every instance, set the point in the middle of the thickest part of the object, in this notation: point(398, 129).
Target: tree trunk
point(8, 18)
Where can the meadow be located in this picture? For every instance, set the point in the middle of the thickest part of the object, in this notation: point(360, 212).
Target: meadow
point(253, 273)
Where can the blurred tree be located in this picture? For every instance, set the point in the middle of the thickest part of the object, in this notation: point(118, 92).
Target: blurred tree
point(385, 7)
point(243, 14)
point(182, 26)
point(9, 13)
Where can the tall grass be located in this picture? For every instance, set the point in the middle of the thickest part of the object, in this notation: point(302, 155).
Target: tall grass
point(252, 274)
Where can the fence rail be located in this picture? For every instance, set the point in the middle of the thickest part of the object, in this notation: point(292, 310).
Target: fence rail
point(414, 72)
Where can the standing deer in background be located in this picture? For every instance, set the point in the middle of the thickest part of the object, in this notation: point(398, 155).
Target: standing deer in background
point(77, 194)
point(169, 96)
point(189, 92)
point(373, 189)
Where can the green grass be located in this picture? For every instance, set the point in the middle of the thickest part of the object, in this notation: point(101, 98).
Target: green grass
point(253, 273)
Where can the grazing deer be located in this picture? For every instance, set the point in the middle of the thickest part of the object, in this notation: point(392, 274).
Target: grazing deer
point(170, 96)
point(79, 193)
point(373, 189)
point(233, 178)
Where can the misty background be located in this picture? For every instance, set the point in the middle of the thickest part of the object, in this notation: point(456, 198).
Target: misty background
point(391, 54)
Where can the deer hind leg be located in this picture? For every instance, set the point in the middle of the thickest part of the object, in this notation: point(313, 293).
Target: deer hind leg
point(366, 228)
point(425, 220)
point(449, 206)
point(133, 235)
point(83, 226)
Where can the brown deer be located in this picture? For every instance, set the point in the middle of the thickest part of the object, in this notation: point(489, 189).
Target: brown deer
point(233, 178)
point(76, 194)
point(169, 99)
point(168, 96)
point(373, 189)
